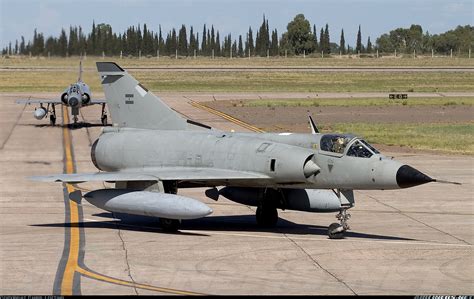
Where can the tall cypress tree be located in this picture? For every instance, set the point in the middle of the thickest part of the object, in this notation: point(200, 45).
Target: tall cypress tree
point(274, 46)
point(217, 51)
point(369, 46)
point(251, 47)
point(315, 34)
point(327, 41)
point(62, 43)
point(213, 41)
point(342, 43)
point(192, 40)
point(322, 41)
point(240, 50)
point(359, 42)
point(182, 41)
point(204, 42)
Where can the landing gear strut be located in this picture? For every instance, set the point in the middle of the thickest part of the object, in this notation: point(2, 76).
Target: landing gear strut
point(52, 116)
point(337, 230)
point(103, 117)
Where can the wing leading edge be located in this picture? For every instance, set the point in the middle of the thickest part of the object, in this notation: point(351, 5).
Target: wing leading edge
point(161, 174)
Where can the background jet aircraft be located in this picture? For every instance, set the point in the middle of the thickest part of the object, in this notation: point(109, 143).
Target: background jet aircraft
point(151, 152)
point(77, 95)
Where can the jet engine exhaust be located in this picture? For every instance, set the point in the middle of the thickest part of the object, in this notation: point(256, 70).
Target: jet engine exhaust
point(73, 101)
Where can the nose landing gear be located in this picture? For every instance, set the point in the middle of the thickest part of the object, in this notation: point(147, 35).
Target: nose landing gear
point(337, 230)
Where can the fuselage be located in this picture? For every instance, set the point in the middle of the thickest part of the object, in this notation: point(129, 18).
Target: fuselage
point(343, 161)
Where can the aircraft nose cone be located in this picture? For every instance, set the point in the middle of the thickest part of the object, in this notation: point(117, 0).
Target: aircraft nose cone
point(73, 101)
point(409, 177)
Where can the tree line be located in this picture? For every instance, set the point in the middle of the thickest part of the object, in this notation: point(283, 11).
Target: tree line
point(300, 39)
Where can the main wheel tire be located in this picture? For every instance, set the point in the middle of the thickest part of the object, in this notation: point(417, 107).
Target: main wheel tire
point(170, 225)
point(104, 120)
point(52, 120)
point(335, 231)
point(267, 216)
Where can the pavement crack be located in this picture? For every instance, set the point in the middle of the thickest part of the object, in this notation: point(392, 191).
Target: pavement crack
point(13, 127)
point(416, 220)
point(87, 129)
point(129, 272)
point(316, 263)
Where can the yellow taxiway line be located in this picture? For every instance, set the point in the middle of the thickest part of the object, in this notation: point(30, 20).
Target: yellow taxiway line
point(72, 265)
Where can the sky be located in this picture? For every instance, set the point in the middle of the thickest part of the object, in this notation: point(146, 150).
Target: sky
point(21, 17)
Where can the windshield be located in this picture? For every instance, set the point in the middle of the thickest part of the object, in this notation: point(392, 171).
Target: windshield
point(335, 143)
point(357, 149)
point(369, 146)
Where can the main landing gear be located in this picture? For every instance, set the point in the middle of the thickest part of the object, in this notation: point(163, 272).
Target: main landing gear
point(170, 225)
point(267, 215)
point(52, 116)
point(103, 117)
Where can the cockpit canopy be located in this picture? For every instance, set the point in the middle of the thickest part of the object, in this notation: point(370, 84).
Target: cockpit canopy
point(349, 144)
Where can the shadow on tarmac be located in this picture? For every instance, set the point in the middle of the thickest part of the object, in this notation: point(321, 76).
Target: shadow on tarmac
point(234, 223)
point(79, 125)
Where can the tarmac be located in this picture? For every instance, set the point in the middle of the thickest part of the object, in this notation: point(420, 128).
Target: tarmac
point(412, 241)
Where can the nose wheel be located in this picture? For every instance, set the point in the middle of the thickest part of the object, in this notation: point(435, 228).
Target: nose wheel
point(337, 230)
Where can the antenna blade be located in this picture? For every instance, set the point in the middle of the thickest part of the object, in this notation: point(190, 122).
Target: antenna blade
point(314, 129)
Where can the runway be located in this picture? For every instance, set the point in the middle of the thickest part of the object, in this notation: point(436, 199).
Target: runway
point(412, 241)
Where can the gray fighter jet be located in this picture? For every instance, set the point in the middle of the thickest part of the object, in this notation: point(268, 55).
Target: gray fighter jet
point(151, 151)
point(77, 95)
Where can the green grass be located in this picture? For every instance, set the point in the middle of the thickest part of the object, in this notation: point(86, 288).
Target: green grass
point(452, 138)
point(227, 81)
point(348, 102)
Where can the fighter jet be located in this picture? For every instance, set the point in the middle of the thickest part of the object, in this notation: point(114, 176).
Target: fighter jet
point(77, 95)
point(151, 151)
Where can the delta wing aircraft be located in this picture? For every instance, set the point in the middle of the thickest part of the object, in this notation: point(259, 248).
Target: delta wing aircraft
point(151, 151)
point(77, 95)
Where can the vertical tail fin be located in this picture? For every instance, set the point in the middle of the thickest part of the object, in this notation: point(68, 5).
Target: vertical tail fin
point(132, 105)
